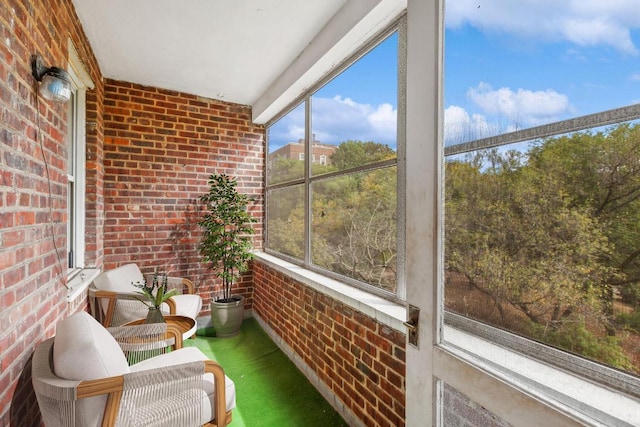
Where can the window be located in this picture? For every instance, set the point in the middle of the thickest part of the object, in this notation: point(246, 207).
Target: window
point(301, 156)
point(542, 184)
point(76, 116)
point(339, 216)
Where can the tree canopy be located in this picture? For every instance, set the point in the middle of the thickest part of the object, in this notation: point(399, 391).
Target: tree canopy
point(353, 216)
point(549, 240)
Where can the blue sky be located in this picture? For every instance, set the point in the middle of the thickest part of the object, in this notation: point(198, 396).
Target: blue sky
point(508, 65)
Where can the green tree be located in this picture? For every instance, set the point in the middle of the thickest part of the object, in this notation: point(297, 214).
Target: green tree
point(516, 235)
point(225, 244)
point(353, 216)
point(514, 238)
point(282, 169)
point(601, 172)
point(359, 226)
point(354, 153)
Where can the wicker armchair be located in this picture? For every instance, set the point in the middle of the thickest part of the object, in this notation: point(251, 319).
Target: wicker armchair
point(82, 378)
point(114, 300)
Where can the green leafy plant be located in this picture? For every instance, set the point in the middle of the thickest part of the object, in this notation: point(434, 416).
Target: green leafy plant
point(155, 293)
point(226, 239)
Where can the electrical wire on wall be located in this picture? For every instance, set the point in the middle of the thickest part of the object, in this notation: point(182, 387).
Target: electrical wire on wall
point(39, 138)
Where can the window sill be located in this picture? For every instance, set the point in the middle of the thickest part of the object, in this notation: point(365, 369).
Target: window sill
point(80, 281)
point(585, 400)
point(384, 311)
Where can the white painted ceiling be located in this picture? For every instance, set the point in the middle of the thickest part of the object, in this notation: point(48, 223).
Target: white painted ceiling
point(223, 49)
point(233, 50)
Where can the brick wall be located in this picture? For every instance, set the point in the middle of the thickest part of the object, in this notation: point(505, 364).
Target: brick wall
point(149, 153)
point(160, 148)
point(359, 359)
point(32, 202)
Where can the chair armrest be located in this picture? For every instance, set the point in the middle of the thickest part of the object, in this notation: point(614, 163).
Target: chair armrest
point(97, 300)
point(172, 305)
point(183, 284)
point(220, 403)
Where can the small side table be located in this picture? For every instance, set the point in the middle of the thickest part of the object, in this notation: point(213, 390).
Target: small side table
point(186, 325)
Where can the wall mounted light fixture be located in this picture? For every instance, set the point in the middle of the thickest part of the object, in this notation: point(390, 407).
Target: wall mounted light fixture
point(55, 82)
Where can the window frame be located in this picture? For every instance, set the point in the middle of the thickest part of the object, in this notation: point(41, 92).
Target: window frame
point(399, 26)
point(76, 157)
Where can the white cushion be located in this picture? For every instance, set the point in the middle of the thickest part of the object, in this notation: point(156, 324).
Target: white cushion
point(191, 354)
point(186, 305)
point(84, 350)
point(120, 279)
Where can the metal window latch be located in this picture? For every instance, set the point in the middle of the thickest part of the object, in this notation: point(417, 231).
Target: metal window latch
point(412, 324)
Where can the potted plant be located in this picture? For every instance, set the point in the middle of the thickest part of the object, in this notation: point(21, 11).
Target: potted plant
point(225, 247)
point(154, 295)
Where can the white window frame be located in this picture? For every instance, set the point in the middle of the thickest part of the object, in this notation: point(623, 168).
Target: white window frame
point(399, 26)
point(79, 276)
point(76, 137)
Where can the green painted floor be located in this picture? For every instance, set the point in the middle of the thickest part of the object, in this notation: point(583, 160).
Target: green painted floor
point(270, 390)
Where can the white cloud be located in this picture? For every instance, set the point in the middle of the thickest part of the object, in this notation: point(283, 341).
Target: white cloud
point(521, 108)
point(461, 127)
point(289, 128)
point(338, 119)
point(384, 120)
point(635, 77)
point(585, 23)
point(502, 110)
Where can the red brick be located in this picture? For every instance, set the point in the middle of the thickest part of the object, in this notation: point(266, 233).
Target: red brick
point(354, 369)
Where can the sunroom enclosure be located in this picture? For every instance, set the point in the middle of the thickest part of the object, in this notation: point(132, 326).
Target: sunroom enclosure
point(114, 177)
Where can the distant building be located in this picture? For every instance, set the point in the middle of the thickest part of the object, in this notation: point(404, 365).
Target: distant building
point(320, 153)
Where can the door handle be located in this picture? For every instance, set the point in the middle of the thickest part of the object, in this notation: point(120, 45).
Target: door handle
point(412, 325)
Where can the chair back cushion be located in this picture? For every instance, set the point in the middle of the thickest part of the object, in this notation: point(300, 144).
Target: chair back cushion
point(120, 279)
point(84, 350)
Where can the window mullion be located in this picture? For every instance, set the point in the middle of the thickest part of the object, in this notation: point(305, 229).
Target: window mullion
point(401, 131)
point(307, 175)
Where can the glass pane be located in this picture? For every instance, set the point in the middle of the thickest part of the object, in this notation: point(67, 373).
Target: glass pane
point(353, 117)
point(285, 220)
point(505, 73)
point(72, 111)
point(543, 238)
point(285, 161)
point(71, 134)
point(71, 220)
point(544, 241)
point(353, 229)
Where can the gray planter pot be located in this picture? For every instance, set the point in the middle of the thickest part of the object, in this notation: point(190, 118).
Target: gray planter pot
point(227, 317)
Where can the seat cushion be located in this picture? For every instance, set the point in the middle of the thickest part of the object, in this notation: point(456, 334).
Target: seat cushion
point(191, 354)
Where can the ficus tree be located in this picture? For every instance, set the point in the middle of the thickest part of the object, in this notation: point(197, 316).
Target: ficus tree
point(226, 241)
